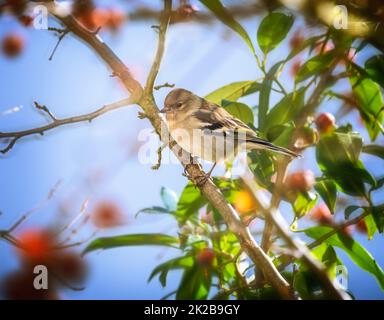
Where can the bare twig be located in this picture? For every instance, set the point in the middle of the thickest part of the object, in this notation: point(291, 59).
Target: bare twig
point(165, 85)
point(164, 22)
point(338, 228)
point(62, 34)
point(16, 135)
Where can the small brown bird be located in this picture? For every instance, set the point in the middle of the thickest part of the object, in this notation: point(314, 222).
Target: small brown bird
point(208, 131)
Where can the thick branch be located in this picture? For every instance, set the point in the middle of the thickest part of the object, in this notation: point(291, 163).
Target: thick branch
point(209, 189)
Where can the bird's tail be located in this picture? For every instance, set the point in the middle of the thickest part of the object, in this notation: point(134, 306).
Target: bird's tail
point(257, 143)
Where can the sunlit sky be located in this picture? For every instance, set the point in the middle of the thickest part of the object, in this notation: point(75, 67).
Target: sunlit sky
point(98, 160)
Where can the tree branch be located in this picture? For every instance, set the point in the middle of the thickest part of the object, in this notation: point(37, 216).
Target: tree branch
point(164, 22)
point(16, 135)
point(282, 228)
point(209, 189)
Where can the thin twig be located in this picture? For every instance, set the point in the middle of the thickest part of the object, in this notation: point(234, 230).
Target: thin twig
point(62, 35)
point(165, 85)
point(16, 135)
point(164, 22)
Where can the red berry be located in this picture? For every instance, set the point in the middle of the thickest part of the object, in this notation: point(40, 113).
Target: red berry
point(13, 45)
point(107, 215)
point(183, 13)
point(205, 257)
point(361, 226)
point(19, 286)
point(68, 266)
point(295, 67)
point(321, 214)
point(25, 20)
point(36, 245)
point(325, 122)
point(300, 180)
point(115, 20)
point(297, 40)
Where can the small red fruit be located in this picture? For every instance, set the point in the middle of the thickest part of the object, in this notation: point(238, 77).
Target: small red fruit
point(205, 257)
point(115, 20)
point(295, 68)
point(25, 20)
point(183, 13)
point(36, 245)
point(321, 214)
point(19, 286)
point(361, 226)
point(68, 266)
point(300, 180)
point(325, 122)
point(297, 40)
point(107, 215)
point(13, 45)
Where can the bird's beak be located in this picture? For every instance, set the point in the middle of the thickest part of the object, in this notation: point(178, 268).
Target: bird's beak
point(165, 110)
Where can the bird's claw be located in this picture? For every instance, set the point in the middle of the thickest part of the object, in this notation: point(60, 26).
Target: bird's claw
point(201, 180)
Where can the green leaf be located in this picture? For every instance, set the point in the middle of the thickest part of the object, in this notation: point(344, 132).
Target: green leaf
point(371, 226)
point(315, 66)
point(355, 251)
point(286, 109)
point(272, 30)
point(164, 268)
point(153, 210)
point(338, 157)
point(349, 210)
point(378, 216)
point(240, 111)
point(328, 192)
point(307, 43)
point(303, 203)
point(301, 286)
point(225, 17)
point(374, 67)
point(189, 203)
point(233, 91)
point(327, 255)
point(369, 103)
point(265, 93)
point(262, 166)
point(374, 150)
point(195, 284)
point(169, 197)
point(146, 239)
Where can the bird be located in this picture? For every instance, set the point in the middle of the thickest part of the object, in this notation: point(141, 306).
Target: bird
point(208, 131)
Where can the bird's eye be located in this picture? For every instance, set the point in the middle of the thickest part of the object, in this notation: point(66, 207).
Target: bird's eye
point(177, 105)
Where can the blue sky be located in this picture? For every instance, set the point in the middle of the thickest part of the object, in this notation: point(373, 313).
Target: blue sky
point(200, 58)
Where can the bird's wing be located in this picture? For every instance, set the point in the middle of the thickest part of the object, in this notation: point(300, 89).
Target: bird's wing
point(218, 120)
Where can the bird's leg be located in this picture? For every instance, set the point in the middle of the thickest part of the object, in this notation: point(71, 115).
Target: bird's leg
point(192, 161)
point(201, 180)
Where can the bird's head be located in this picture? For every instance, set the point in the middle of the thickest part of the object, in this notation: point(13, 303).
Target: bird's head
point(177, 99)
